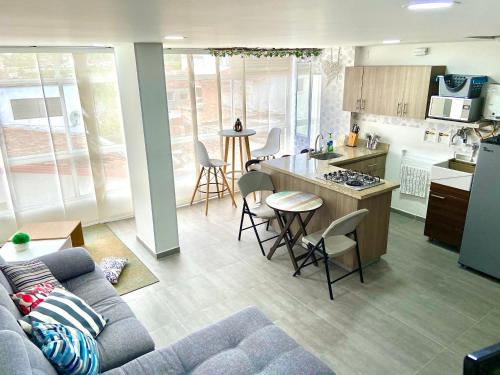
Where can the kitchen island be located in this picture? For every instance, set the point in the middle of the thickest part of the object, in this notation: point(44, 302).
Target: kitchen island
point(301, 173)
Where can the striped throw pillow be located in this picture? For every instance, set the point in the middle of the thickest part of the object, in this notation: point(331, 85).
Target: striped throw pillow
point(70, 351)
point(28, 274)
point(65, 308)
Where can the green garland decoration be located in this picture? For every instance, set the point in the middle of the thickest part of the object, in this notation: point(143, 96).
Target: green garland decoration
point(300, 53)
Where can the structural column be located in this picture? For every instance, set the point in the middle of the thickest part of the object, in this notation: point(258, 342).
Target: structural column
point(141, 78)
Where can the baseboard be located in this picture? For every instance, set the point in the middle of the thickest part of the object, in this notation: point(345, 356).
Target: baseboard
point(407, 214)
point(166, 253)
point(161, 254)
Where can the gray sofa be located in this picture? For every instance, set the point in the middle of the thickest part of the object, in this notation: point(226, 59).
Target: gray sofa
point(244, 343)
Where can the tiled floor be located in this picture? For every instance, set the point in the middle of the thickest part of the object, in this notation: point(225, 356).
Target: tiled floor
point(417, 313)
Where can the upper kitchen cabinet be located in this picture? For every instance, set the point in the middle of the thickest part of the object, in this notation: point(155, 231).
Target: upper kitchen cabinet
point(352, 94)
point(401, 91)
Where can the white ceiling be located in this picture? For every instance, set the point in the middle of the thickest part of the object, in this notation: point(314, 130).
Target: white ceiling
point(225, 23)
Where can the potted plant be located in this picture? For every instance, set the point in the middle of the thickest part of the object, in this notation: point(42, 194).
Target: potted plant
point(21, 241)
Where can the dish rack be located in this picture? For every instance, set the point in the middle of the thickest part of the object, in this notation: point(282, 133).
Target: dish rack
point(461, 86)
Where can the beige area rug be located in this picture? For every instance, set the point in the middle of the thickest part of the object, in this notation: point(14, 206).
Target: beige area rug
point(101, 242)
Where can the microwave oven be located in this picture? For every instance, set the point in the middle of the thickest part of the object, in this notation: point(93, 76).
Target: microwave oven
point(456, 109)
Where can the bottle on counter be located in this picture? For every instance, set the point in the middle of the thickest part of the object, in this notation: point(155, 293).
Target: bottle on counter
point(329, 143)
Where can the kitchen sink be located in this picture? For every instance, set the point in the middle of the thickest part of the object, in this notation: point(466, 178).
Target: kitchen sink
point(454, 173)
point(326, 155)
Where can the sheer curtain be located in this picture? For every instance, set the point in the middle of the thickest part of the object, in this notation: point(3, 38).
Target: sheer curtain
point(207, 94)
point(61, 139)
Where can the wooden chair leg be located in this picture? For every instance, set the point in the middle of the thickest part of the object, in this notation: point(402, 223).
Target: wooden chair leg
point(197, 185)
point(217, 182)
point(228, 188)
point(208, 191)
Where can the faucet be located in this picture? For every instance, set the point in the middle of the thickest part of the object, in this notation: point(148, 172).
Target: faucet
point(316, 143)
point(462, 133)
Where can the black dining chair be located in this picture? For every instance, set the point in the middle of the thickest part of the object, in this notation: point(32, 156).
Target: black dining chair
point(251, 182)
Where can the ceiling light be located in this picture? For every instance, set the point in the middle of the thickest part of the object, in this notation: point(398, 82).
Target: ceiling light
point(391, 41)
point(173, 37)
point(430, 4)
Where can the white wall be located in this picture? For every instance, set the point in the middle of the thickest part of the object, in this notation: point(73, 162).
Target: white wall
point(136, 147)
point(141, 79)
point(466, 58)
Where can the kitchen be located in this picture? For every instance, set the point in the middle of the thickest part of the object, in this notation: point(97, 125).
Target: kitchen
point(442, 151)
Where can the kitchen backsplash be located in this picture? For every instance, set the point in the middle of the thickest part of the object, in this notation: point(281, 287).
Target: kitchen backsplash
point(332, 118)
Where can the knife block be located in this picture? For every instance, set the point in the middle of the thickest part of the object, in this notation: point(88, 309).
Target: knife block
point(352, 141)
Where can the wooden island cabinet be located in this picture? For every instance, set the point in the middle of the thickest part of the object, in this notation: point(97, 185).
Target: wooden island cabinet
point(299, 173)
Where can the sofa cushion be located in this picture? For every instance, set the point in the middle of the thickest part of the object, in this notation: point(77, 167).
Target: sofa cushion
point(13, 336)
point(243, 344)
point(63, 307)
point(124, 337)
point(27, 300)
point(69, 350)
point(13, 357)
point(6, 301)
point(4, 282)
point(112, 267)
point(92, 287)
point(123, 341)
point(27, 274)
point(69, 263)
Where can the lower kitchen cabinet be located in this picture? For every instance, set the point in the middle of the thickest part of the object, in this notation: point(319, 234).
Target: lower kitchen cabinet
point(374, 165)
point(446, 213)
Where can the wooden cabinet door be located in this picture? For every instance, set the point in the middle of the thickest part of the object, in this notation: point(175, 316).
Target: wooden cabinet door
point(352, 88)
point(383, 90)
point(446, 213)
point(416, 91)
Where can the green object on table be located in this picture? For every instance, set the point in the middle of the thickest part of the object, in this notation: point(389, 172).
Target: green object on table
point(20, 238)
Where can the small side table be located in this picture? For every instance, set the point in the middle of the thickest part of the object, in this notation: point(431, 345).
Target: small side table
point(288, 205)
point(55, 230)
point(231, 134)
point(36, 249)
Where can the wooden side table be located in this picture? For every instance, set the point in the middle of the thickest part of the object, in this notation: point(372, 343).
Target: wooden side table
point(54, 230)
point(230, 134)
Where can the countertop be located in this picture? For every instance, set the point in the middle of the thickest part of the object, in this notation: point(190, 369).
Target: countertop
point(306, 168)
point(353, 154)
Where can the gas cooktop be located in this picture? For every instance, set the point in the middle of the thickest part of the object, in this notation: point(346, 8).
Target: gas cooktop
point(351, 179)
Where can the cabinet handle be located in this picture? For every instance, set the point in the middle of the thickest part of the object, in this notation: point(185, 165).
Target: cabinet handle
point(438, 196)
point(372, 165)
point(358, 104)
point(405, 107)
point(399, 108)
point(363, 103)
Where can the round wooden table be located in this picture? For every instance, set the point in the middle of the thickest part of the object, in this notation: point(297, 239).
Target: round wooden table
point(288, 205)
point(230, 134)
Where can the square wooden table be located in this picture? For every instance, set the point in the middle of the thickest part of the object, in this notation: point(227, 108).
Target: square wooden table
point(55, 230)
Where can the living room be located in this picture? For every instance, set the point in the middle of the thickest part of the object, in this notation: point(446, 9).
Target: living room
point(242, 188)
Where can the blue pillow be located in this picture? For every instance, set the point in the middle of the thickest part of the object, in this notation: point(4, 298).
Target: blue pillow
point(69, 350)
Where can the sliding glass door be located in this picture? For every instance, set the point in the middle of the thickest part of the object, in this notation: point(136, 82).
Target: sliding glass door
point(61, 137)
point(207, 94)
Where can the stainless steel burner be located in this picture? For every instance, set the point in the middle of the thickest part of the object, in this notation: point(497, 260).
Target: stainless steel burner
point(351, 179)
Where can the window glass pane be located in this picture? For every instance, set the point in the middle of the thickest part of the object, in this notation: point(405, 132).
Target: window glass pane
point(267, 97)
point(207, 103)
point(62, 137)
point(231, 75)
point(27, 147)
point(181, 125)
